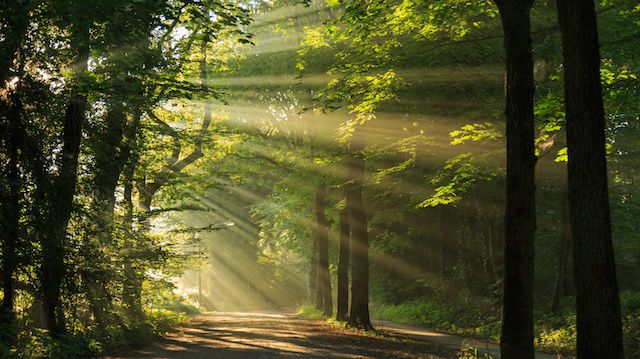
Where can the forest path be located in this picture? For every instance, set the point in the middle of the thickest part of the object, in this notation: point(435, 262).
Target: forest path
point(261, 335)
point(449, 340)
point(266, 335)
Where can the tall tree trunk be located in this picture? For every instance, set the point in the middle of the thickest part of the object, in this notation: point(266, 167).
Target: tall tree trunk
point(109, 161)
point(323, 282)
point(132, 286)
point(312, 280)
point(599, 325)
point(16, 15)
point(343, 268)
point(520, 221)
point(53, 250)
point(10, 216)
point(359, 313)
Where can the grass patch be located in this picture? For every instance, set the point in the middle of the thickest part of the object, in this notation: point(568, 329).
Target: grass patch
point(554, 332)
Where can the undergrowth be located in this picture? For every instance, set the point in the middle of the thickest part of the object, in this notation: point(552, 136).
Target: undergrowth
point(555, 332)
point(35, 343)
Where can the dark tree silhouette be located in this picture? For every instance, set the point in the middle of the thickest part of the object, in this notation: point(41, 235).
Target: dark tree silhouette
point(359, 314)
point(343, 269)
point(597, 303)
point(520, 220)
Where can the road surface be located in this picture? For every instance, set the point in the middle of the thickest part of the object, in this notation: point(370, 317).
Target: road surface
point(265, 335)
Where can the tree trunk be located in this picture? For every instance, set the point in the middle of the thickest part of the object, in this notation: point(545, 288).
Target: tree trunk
point(10, 216)
point(59, 213)
point(131, 288)
point(520, 220)
point(323, 282)
point(109, 161)
point(359, 314)
point(313, 268)
point(343, 268)
point(599, 325)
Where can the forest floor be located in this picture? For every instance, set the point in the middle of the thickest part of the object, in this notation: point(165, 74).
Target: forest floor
point(266, 335)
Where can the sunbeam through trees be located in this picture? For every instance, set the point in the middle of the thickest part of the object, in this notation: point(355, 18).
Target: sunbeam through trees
point(311, 178)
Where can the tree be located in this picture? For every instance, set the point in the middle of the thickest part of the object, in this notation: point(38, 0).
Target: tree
point(520, 221)
point(323, 280)
point(64, 185)
point(342, 301)
point(359, 313)
point(599, 326)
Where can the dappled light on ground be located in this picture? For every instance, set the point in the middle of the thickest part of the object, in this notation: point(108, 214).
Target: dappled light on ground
point(259, 335)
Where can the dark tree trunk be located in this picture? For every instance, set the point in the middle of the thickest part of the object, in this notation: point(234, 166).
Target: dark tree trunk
point(520, 220)
point(560, 288)
point(16, 15)
point(359, 313)
point(599, 325)
point(109, 161)
point(323, 282)
point(10, 214)
point(313, 268)
point(343, 268)
point(64, 186)
point(132, 286)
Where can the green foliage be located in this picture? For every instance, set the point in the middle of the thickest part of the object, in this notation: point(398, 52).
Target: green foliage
point(472, 353)
point(459, 175)
point(475, 132)
point(311, 312)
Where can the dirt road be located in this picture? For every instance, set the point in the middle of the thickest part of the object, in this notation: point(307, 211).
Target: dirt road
point(256, 335)
point(260, 335)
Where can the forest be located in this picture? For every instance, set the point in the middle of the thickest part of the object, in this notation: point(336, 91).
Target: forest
point(320, 178)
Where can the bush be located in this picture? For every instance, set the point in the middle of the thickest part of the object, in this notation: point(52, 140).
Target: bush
point(311, 312)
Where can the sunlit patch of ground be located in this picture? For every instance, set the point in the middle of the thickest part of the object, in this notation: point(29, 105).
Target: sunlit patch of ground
point(259, 335)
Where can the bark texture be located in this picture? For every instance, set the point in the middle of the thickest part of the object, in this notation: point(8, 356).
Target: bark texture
point(343, 268)
point(323, 280)
point(520, 220)
point(59, 211)
point(359, 313)
point(599, 325)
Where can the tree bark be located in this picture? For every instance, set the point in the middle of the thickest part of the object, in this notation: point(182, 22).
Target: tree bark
point(520, 221)
point(323, 281)
point(343, 268)
point(359, 314)
point(59, 213)
point(599, 326)
point(10, 213)
point(109, 160)
point(132, 284)
point(313, 268)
